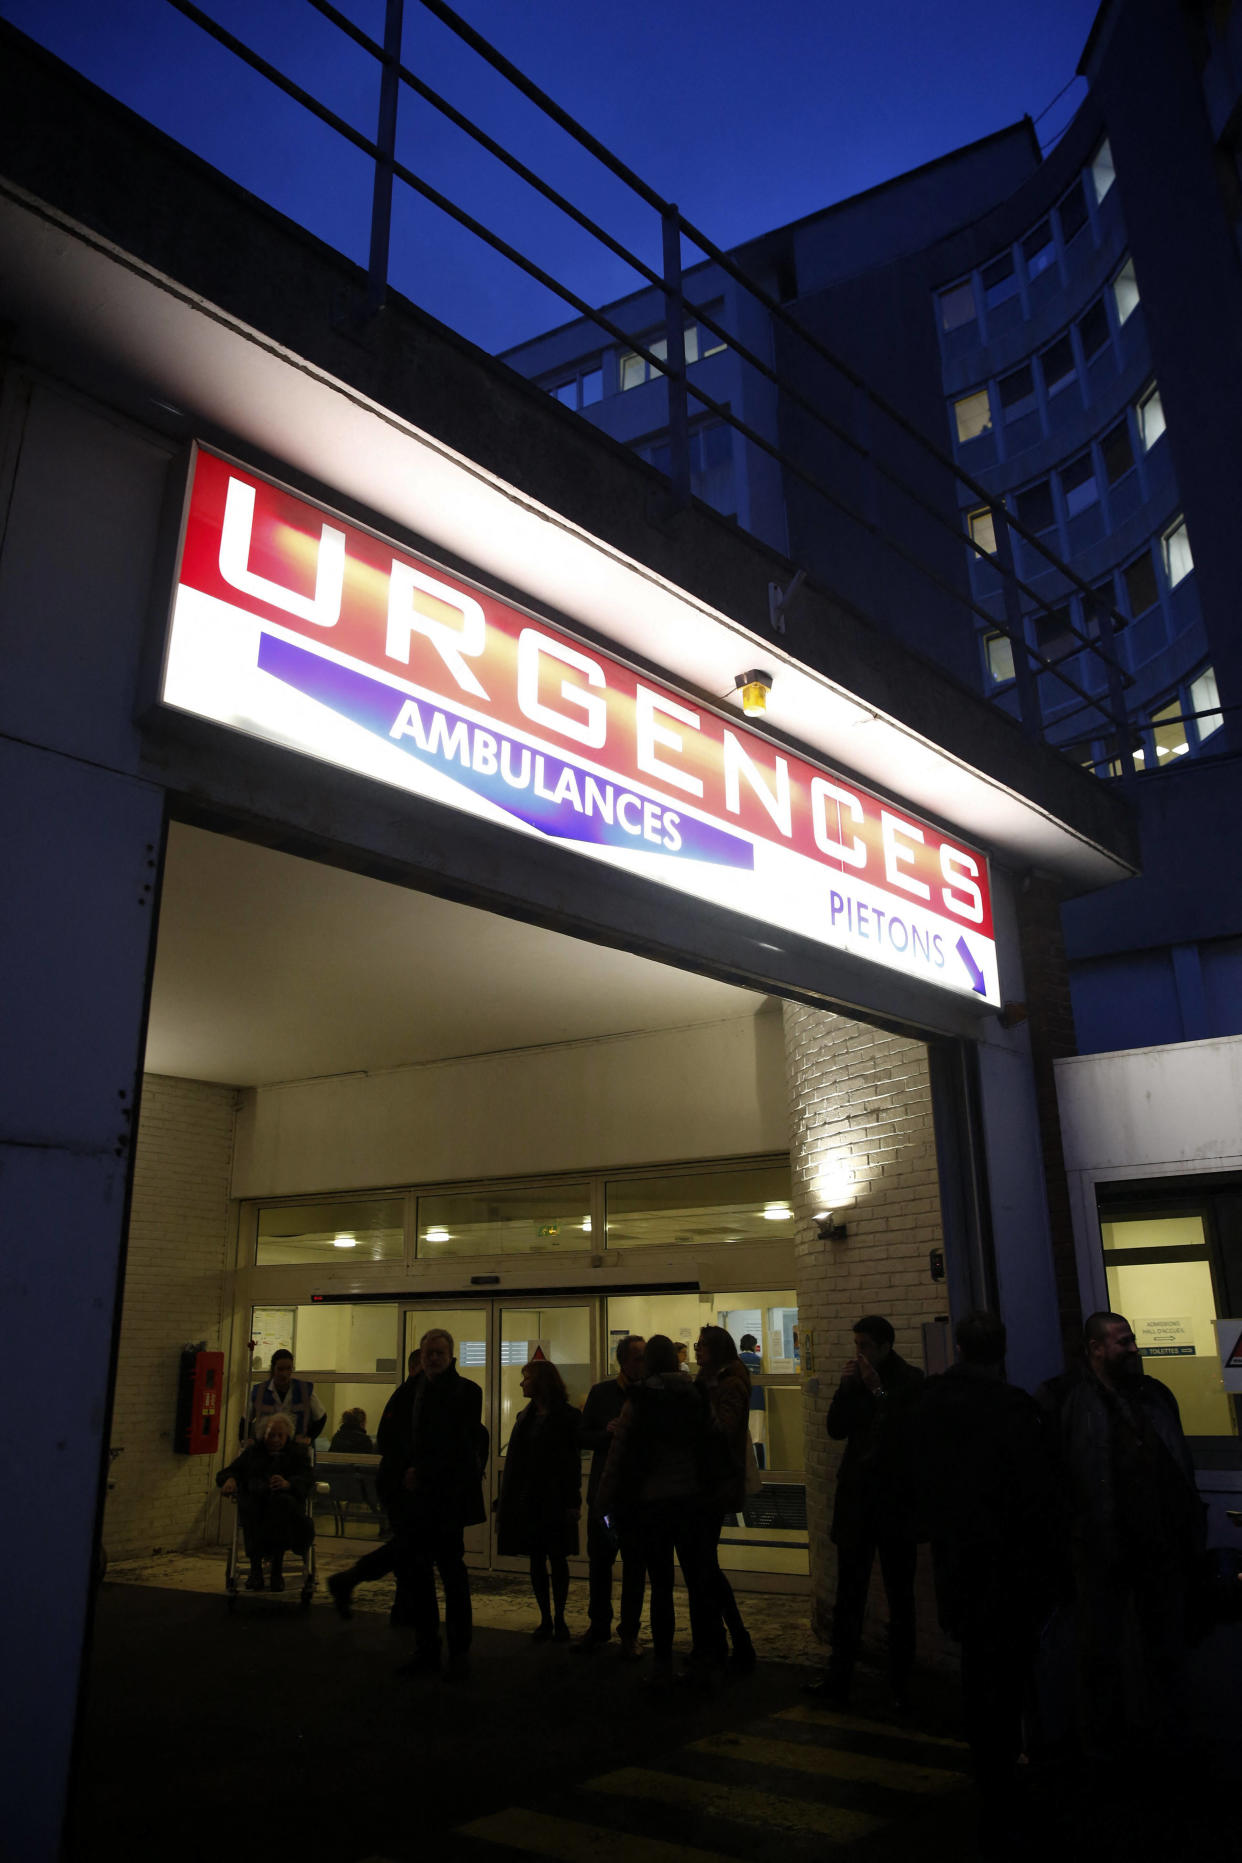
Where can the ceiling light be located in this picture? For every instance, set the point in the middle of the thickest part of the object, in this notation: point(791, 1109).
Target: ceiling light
point(586, 1225)
point(777, 1213)
point(345, 1242)
point(436, 1235)
point(754, 688)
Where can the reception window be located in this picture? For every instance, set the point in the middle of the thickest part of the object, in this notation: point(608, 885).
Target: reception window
point(1161, 1276)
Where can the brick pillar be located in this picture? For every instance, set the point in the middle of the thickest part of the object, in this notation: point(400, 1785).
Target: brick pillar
point(861, 1144)
point(1050, 1019)
point(175, 1271)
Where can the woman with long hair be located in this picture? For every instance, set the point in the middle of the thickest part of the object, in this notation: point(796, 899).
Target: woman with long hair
point(541, 1494)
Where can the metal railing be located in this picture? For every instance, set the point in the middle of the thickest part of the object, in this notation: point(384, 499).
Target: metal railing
point(1102, 712)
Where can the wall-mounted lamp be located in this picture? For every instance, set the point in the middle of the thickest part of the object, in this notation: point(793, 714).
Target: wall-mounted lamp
point(754, 688)
point(827, 1228)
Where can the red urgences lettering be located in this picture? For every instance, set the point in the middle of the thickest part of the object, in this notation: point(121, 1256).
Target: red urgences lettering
point(256, 546)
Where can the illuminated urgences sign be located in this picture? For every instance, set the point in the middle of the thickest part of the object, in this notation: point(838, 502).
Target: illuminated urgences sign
point(295, 626)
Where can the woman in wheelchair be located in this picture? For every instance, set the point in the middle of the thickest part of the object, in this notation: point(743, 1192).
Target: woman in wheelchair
point(272, 1480)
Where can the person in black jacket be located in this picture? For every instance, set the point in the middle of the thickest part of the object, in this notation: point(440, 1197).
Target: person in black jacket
point(599, 1421)
point(1137, 1540)
point(351, 1437)
point(541, 1494)
point(652, 1483)
point(271, 1479)
point(875, 1505)
point(438, 1438)
point(988, 1506)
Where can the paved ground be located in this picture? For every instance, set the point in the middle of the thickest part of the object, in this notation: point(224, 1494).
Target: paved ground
point(271, 1735)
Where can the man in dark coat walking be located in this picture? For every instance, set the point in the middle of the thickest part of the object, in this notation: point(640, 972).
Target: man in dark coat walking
point(439, 1442)
point(875, 1505)
point(603, 1406)
point(988, 1506)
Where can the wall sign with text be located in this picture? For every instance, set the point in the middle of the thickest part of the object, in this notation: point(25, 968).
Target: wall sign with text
point(293, 625)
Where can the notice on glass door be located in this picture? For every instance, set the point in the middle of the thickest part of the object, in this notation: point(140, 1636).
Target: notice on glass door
point(1165, 1338)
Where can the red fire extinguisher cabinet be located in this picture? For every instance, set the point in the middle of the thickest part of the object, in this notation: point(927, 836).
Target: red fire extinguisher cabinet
point(200, 1391)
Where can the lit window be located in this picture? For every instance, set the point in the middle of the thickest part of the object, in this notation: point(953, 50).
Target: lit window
point(1141, 589)
point(999, 650)
point(1035, 508)
point(983, 529)
point(1093, 329)
point(1058, 365)
point(1039, 249)
point(973, 414)
point(1169, 732)
point(1118, 452)
point(1103, 174)
point(1204, 698)
point(957, 306)
point(1125, 291)
point(1000, 281)
point(1150, 418)
point(632, 370)
point(1178, 561)
point(1079, 485)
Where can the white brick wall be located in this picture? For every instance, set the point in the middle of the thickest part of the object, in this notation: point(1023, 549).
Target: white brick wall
point(174, 1293)
point(861, 1144)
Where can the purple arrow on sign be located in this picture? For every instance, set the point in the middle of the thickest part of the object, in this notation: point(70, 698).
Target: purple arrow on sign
point(973, 971)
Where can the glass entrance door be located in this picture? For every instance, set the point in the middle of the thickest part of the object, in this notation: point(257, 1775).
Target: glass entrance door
point(493, 1340)
point(565, 1333)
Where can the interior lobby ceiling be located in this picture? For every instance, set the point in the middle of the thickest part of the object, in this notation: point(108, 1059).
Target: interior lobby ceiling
point(272, 968)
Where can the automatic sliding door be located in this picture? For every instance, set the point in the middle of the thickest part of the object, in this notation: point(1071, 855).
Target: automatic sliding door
point(567, 1335)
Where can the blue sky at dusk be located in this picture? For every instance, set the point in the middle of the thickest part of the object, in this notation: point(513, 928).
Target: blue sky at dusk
point(746, 115)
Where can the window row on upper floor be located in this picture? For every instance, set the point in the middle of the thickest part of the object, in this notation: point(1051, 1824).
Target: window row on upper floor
point(1138, 595)
point(614, 371)
point(1019, 408)
point(1020, 279)
point(1180, 724)
point(1085, 497)
point(711, 462)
